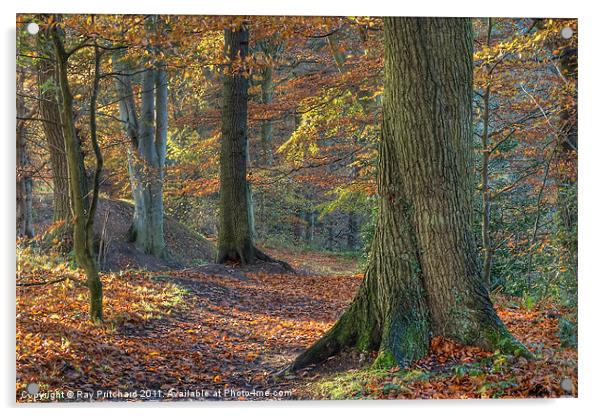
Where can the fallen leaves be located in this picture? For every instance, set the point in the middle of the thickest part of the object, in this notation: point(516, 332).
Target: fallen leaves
point(193, 330)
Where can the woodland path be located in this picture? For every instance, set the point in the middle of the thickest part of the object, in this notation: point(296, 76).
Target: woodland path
point(241, 325)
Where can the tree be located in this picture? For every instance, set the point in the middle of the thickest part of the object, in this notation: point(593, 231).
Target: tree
point(52, 130)
point(485, 191)
point(424, 275)
point(148, 144)
point(269, 49)
point(83, 202)
point(236, 229)
point(24, 177)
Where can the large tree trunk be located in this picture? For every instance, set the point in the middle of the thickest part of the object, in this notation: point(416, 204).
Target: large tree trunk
point(24, 179)
point(147, 165)
point(83, 205)
point(424, 277)
point(236, 226)
point(51, 121)
point(235, 230)
point(146, 154)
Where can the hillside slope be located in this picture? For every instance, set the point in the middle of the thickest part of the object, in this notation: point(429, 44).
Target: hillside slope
point(186, 247)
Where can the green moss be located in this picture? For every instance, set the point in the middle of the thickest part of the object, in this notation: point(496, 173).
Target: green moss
point(341, 386)
point(363, 341)
point(384, 360)
point(366, 383)
point(500, 339)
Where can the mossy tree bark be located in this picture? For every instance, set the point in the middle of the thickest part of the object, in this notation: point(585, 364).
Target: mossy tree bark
point(424, 275)
point(83, 202)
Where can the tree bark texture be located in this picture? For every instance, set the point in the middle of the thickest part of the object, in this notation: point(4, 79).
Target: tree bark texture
point(52, 131)
point(236, 222)
point(24, 178)
point(147, 151)
point(82, 204)
point(424, 275)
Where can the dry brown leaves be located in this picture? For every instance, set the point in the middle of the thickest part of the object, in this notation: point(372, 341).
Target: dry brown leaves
point(189, 330)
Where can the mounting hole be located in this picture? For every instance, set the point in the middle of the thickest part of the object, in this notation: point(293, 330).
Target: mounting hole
point(32, 28)
point(33, 388)
point(566, 32)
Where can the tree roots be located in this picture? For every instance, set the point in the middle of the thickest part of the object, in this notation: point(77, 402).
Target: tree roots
point(253, 256)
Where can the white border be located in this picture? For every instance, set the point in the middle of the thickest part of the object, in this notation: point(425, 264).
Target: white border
point(590, 159)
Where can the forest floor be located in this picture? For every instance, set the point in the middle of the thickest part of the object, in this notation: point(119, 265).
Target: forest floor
point(216, 332)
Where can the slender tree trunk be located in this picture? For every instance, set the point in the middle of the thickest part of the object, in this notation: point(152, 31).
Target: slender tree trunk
point(352, 231)
point(83, 205)
point(310, 219)
point(330, 235)
point(270, 48)
point(424, 277)
point(267, 93)
point(54, 137)
point(24, 179)
point(485, 191)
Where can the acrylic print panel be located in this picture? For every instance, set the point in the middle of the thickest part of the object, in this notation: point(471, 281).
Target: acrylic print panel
point(283, 208)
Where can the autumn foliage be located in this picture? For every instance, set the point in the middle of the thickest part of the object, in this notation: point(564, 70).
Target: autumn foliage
point(180, 322)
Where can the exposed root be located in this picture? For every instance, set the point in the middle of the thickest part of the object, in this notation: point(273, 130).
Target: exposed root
point(401, 337)
point(327, 346)
point(251, 258)
point(353, 329)
point(260, 255)
point(497, 337)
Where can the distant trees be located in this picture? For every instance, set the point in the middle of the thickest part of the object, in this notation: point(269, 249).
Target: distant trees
point(524, 99)
point(270, 50)
point(564, 47)
point(424, 277)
